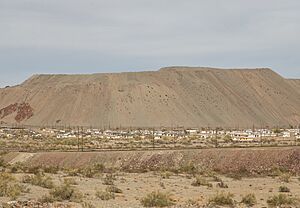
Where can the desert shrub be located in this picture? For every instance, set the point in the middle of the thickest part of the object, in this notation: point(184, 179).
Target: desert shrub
point(89, 172)
point(275, 171)
point(51, 169)
point(209, 173)
point(46, 199)
point(165, 174)
point(2, 163)
point(189, 168)
point(235, 176)
point(157, 199)
point(72, 172)
point(37, 169)
point(113, 189)
point(109, 179)
point(2, 153)
point(284, 189)
point(39, 179)
point(87, 205)
point(92, 171)
point(15, 168)
point(64, 192)
point(9, 187)
point(216, 178)
point(239, 174)
point(135, 170)
point(200, 181)
point(32, 169)
point(221, 184)
point(7, 177)
point(249, 200)
point(222, 199)
point(286, 177)
point(192, 203)
point(13, 191)
point(105, 195)
point(281, 199)
point(70, 181)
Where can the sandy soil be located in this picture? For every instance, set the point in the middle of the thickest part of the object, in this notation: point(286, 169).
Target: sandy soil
point(137, 185)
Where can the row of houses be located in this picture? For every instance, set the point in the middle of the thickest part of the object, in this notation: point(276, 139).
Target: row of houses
point(235, 135)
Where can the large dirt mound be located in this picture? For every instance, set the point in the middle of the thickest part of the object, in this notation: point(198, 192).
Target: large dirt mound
point(175, 96)
point(256, 161)
point(295, 83)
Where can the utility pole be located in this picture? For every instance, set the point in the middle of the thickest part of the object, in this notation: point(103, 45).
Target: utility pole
point(216, 137)
point(81, 139)
point(174, 138)
point(153, 140)
point(78, 138)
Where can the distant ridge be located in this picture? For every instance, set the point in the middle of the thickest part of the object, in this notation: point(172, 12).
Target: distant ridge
point(172, 96)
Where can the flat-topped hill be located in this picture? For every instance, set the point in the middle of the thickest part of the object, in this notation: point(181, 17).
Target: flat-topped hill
point(172, 96)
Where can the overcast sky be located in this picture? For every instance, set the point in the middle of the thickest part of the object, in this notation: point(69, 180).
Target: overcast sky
point(89, 36)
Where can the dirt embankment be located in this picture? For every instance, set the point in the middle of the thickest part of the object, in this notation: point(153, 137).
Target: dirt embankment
point(260, 160)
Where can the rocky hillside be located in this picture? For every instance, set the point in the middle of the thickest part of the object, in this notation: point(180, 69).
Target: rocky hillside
point(174, 96)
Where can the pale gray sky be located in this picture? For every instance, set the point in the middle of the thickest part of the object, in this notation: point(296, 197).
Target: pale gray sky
point(89, 36)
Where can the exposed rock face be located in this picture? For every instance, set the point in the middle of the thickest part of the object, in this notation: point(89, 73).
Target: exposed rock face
point(23, 111)
point(174, 96)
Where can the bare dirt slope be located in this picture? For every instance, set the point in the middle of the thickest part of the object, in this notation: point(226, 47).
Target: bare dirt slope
point(174, 96)
point(295, 83)
point(256, 161)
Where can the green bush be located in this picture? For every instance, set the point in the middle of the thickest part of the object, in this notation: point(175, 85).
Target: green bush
point(281, 199)
point(222, 199)
point(249, 200)
point(157, 199)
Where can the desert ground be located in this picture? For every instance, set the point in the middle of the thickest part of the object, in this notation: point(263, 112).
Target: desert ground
point(258, 177)
point(135, 186)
